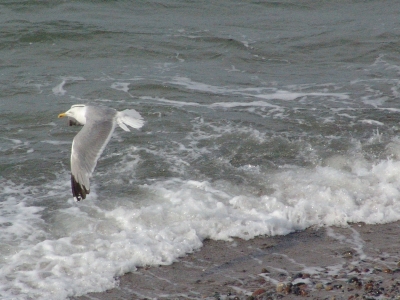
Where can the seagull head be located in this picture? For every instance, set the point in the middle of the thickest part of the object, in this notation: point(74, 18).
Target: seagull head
point(76, 112)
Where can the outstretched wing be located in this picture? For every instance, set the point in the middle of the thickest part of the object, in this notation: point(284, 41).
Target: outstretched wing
point(87, 147)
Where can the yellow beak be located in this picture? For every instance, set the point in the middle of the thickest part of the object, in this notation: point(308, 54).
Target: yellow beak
point(62, 115)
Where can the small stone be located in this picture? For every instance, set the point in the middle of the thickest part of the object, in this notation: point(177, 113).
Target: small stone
point(388, 271)
point(351, 267)
point(280, 287)
point(369, 286)
point(398, 264)
point(288, 288)
point(301, 285)
point(347, 254)
point(328, 287)
point(258, 292)
point(306, 275)
point(298, 288)
point(303, 293)
point(319, 286)
point(337, 286)
point(264, 270)
point(377, 269)
point(298, 275)
point(353, 280)
point(354, 269)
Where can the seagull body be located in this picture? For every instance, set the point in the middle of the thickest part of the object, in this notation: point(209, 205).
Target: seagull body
point(98, 125)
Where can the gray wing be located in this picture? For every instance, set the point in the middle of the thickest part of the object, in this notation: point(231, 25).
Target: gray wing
point(87, 147)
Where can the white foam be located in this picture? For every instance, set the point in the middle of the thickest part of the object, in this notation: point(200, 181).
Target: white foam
point(372, 122)
point(54, 142)
point(92, 242)
point(266, 93)
point(121, 86)
point(58, 90)
point(14, 144)
point(173, 102)
point(243, 104)
point(15, 141)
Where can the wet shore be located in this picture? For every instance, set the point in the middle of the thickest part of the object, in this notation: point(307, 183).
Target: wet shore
point(355, 262)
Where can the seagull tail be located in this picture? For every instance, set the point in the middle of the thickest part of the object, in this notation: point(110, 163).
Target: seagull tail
point(129, 117)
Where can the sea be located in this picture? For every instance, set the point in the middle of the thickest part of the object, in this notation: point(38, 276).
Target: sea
point(261, 118)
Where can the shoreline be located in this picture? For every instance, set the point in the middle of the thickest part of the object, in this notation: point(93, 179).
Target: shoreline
point(332, 263)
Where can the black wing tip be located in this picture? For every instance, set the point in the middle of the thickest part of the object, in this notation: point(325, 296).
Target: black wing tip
point(78, 191)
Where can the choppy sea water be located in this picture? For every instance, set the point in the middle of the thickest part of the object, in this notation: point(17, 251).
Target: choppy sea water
point(261, 118)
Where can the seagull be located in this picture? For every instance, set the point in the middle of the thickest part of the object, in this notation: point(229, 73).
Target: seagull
point(98, 123)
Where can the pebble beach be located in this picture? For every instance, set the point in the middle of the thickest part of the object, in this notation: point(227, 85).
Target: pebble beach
point(355, 262)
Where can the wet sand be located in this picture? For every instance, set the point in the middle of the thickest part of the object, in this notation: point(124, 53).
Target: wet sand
point(354, 262)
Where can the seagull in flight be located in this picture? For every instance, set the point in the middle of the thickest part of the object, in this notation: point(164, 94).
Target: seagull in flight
point(98, 123)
